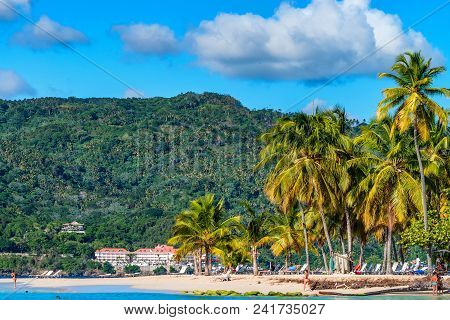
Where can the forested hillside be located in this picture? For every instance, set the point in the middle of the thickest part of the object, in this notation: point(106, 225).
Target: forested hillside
point(124, 167)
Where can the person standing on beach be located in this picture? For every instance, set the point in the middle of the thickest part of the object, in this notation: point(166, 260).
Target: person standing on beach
point(306, 280)
point(434, 283)
point(14, 279)
point(416, 263)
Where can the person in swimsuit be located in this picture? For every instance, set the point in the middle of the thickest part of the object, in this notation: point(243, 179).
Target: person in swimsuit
point(306, 280)
point(14, 279)
point(434, 283)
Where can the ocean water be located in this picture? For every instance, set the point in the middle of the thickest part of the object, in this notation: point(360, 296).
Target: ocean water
point(127, 293)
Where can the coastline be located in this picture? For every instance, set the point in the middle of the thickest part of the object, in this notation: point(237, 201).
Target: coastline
point(351, 285)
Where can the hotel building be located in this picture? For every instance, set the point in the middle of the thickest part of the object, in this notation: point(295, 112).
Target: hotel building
point(161, 255)
point(115, 256)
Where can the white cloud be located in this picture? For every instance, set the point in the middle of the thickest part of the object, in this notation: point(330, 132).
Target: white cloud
point(311, 43)
point(132, 93)
point(11, 85)
point(47, 33)
point(147, 38)
point(8, 7)
point(313, 105)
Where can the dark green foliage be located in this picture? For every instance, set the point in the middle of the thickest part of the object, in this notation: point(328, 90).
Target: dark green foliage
point(108, 268)
point(437, 236)
point(73, 266)
point(123, 167)
point(160, 270)
point(131, 269)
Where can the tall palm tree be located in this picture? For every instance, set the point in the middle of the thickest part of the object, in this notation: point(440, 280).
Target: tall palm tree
point(437, 165)
point(256, 232)
point(304, 149)
point(393, 192)
point(414, 106)
point(202, 226)
point(316, 235)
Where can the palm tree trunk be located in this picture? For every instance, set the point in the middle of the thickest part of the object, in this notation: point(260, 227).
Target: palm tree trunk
point(400, 250)
point(389, 248)
point(349, 237)
point(200, 267)
point(255, 260)
point(195, 254)
point(324, 257)
point(286, 260)
point(305, 236)
point(424, 190)
point(207, 254)
point(341, 238)
point(210, 262)
point(384, 253)
point(361, 253)
point(327, 235)
point(394, 249)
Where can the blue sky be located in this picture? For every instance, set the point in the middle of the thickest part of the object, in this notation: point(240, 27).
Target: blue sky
point(268, 54)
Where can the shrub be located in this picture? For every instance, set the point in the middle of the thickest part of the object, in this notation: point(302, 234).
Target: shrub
point(132, 269)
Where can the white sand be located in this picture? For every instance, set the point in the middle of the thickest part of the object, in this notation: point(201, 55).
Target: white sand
point(239, 283)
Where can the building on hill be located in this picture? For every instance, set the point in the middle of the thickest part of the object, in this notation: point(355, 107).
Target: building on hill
point(73, 227)
point(118, 257)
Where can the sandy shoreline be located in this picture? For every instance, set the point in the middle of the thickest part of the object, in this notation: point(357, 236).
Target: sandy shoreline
point(344, 284)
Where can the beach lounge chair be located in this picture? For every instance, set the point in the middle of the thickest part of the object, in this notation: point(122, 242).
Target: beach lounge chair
point(227, 276)
point(363, 268)
point(42, 274)
point(56, 274)
point(377, 269)
point(421, 271)
point(282, 270)
point(303, 268)
point(404, 269)
point(48, 274)
point(394, 267)
point(292, 269)
point(318, 270)
point(183, 270)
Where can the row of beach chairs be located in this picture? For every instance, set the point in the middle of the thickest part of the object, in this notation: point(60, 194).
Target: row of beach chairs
point(50, 274)
point(397, 268)
point(293, 270)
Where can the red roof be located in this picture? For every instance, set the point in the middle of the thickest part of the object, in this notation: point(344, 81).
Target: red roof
point(157, 249)
point(161, 248)
point(144, 250)
point(112, 250)
point(164, 249)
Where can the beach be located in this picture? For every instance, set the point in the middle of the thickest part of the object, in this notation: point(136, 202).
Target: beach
point(321, 284)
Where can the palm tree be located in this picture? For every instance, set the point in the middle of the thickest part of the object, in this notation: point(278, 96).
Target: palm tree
point(232, 251)
point(286, 233)
point(201, 227)
point(256, 233)
point(392, 190)
point(413, 105)
point(437, 164)
point(305, 149)
point(316, 236)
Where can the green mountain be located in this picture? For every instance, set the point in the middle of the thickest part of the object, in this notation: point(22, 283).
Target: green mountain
point(123, 167)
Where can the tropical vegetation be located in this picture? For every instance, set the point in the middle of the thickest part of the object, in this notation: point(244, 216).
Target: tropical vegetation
point(219, 181)
point(333, 183)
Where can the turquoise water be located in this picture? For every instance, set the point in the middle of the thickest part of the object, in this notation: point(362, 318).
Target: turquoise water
point(128, 293)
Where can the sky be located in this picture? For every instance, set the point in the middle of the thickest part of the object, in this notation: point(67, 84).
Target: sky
point(287, 55)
